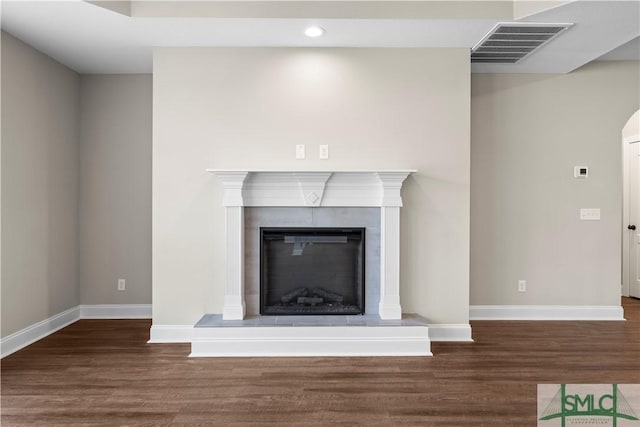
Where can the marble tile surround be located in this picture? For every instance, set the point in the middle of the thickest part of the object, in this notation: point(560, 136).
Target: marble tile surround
point(256, 217)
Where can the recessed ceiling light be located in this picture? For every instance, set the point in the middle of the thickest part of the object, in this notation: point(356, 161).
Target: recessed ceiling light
point(314, 31)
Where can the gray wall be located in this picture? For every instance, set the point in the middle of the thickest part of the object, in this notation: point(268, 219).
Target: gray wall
point(76, 187)
point(40, 169)
point(115, 188)
point(528, 132)
point(249, 107)
point(632, 128)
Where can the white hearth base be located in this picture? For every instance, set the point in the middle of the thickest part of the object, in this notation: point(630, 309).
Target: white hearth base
point(255, 338)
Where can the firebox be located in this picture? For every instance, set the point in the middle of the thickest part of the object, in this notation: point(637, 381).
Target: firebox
point(312, 271)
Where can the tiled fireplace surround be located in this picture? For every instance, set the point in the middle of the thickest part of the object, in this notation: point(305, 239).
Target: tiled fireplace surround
point(332, 217)
point(254, 199)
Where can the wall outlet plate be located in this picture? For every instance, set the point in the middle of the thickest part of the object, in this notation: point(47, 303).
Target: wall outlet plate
point(122, 284)
point(522, 286)
point(324, 152)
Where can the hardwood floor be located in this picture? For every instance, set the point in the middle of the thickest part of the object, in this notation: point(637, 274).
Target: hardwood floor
point(102, 373)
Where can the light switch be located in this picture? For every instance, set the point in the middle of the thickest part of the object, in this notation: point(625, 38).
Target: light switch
point(590, 214)
point(300, 154)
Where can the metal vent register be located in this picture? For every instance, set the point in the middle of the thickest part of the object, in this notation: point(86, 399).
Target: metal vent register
point(508, 43)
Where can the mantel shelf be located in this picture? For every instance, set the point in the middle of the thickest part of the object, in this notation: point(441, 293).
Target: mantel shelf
point(312, 188)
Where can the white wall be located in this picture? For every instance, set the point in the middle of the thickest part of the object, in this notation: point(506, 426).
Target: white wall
point(115, 188)
point(248, 107)
point(39, 186)
point(528, 132)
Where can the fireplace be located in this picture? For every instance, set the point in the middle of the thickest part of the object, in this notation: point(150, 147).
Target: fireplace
point(312, 271)
point(312, 189)
point(309, 217)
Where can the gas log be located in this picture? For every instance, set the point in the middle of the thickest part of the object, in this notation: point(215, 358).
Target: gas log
point(327, 295)
point(310, 300)
point(296, 293)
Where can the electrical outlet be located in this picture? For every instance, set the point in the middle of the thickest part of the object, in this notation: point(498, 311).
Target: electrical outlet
point(324, 152)
point(581, 172)
point(522, 286)
point(300, 152)
point(122, 284)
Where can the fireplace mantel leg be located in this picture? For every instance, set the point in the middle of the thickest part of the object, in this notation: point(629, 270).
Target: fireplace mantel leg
point(234, 306)
point(390, 263)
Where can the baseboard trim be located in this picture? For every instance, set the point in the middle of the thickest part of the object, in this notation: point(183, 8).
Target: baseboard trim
point(184, 333)
point(546, 312)
point(167, 334)
point(115, 311)
point(18, 340)
point(456, 332)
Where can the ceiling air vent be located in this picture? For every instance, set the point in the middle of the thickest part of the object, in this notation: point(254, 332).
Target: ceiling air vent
point(509, 42)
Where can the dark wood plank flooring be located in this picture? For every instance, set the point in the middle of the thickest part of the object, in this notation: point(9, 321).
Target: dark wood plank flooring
point(102, 373)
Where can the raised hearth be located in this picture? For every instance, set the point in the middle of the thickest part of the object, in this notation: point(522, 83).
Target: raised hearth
point(272, 336)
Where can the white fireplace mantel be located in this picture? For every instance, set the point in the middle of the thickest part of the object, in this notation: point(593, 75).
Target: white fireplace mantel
point(361, 188)
point(319, 188)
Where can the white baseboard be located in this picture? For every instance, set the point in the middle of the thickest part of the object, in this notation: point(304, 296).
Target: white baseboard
point(546, 312)
point(163, 334)
point(115, 311)
point(457, 332)
point(18, 340)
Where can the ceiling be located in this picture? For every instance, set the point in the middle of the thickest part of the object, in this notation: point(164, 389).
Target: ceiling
point(93, 39)
point(627, 52)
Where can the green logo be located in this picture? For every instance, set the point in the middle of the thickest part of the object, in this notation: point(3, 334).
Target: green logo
point(587, 404)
